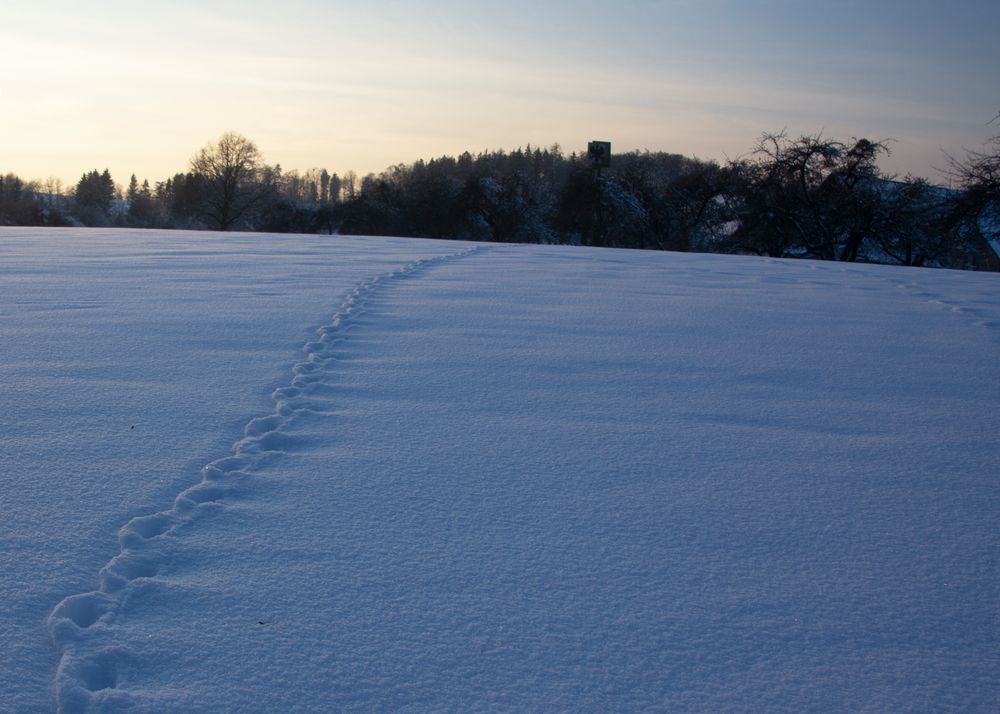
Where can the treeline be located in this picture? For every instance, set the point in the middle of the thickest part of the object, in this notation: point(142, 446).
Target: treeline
point(805, 197)
point(808, 197)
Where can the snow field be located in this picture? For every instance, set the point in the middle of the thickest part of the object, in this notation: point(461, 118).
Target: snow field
point(91, 660)
point(539, 478)
point(128, 361)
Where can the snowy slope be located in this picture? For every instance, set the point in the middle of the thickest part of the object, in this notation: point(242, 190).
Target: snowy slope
point(511, 477)
point(179, 335)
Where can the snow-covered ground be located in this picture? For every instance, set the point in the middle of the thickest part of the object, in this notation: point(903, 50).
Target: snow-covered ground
point(495, 477)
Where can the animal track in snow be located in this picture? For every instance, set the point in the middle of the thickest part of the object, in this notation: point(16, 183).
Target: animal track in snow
point(82, 625)
point(938, 300)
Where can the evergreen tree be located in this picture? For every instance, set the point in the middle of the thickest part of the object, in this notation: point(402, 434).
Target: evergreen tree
point(94, 195)
point(324, 187)
point(141, 206)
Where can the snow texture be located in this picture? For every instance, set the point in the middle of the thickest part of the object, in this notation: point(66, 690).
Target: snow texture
point(495, 477)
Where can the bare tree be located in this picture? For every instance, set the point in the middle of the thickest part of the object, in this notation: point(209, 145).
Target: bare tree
point(977, 208)
point(979, 173)
point(812, 197)
point(233, 178)
point(349, 186)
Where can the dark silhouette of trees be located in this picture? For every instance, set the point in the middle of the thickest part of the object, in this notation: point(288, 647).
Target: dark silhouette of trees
point(232, 179)
point(979, 173)
point(916, 226)
point(142, 211)
point(697, 212)
point(811, 197)
point(179, 200)
point(28, 203)
point(335, 190)
point(94, 195)
point(18, 205)
point(976, 217)
point(375, 209)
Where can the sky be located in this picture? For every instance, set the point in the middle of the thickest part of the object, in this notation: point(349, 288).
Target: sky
point(140, 87)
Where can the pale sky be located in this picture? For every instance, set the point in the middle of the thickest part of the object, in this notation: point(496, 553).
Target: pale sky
point(140, 87)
